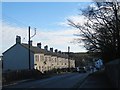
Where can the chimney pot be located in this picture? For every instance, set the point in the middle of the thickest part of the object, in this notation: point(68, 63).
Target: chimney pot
point(59, 52)
point(39, 45)
point(56, 50)
point(51, 49)
point(46, 47)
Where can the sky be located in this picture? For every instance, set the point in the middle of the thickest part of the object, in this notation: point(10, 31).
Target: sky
point(49, 19)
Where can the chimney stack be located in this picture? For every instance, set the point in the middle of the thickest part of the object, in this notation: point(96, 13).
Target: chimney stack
point(18, 39)
point(59, 52)
point(39, 45)
point(56, 50)
point(51, 49)
point(46, 47)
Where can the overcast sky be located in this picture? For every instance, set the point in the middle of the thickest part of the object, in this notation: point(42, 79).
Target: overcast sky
point(49, 19)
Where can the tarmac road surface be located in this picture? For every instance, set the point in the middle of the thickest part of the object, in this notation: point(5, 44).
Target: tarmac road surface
point(69, 80)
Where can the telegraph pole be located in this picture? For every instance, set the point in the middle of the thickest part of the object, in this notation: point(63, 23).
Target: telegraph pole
point(29, 44)
point(29, 47)
point(68, 58)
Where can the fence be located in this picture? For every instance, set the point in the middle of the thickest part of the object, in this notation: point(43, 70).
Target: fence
point(19, 75)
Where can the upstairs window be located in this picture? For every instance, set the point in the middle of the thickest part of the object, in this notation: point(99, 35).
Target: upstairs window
point(41, 58)
point(55, 59)
point(36, 58)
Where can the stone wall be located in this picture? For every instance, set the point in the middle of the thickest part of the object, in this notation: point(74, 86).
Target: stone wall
point(113, 72)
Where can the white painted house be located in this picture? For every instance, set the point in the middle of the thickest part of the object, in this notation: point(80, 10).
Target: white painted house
point(17, 57)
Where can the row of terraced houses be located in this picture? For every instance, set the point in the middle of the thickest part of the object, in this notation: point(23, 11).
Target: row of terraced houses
point(17, 57)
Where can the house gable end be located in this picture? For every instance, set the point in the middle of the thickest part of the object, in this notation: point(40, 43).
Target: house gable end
point(9, 49)
point(14, 46)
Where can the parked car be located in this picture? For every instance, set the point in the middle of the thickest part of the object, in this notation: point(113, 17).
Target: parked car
point(77, 69)
point(81, 69)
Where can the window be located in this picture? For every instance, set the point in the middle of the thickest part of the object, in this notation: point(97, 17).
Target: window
point(55, 59)
point(39, 68)
point(52, 60)
point(45, 58)
point(42, 58)
point(37, 58)
point(49, 58)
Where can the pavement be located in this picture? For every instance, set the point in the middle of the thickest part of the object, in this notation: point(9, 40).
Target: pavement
point(96, 80)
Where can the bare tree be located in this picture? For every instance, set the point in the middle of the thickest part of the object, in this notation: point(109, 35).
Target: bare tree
point(101, 31)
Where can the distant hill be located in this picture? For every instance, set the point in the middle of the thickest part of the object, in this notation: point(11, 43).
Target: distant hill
point(83, 58)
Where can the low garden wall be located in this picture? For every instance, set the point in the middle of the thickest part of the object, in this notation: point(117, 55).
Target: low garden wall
point(19, 75)
point(11, 76)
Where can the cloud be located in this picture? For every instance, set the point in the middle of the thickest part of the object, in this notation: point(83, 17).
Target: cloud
point(9, 34)
point(94, 6)
point(77, 19)
point(59, 39)
point(63, 38)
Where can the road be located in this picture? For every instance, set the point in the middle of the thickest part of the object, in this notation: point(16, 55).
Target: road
point(69, 80)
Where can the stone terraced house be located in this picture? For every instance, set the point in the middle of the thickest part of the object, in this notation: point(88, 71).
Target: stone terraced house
point(17, 57)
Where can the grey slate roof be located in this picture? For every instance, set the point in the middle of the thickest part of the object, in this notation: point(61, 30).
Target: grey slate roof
point(36, 49)
point(33, 48)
